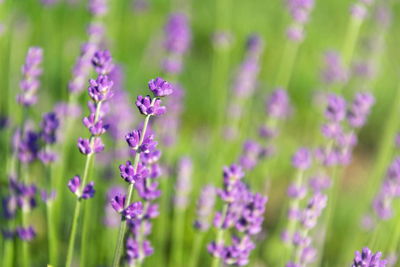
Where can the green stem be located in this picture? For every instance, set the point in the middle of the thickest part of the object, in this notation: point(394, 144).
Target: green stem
point(287, 63)
point(177, 241)
point(122, 226)
point(52, 235)
point(73, 234)
point(8, 256)
point(77, 213)
point(87, 216)
point(352, 34)
point(194, 257)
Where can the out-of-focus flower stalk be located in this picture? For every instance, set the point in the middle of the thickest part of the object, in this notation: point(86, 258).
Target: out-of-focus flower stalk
point(300, 12)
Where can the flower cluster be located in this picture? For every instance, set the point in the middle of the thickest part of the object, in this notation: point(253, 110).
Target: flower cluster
point(177, 42)
point(277, 108)
point(303, 220)
point(244, 84)
point(183, 183)
point(366, 258)
point(389, 190)
point(21, 197)
point(49, 126)
point(83, 63)
point(307, 219)
point(31, 71)
point(75, 186)
point(300, 11)
point(342, 141)
point(252, 152)
point(243, 213)
point(141, 175)
point(334, 71)
point(100, 90)
point(205, 207)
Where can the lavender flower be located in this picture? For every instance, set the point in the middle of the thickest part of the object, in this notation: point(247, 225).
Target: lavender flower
point(177, 42)
point(75, 184)
point(98, 7)
point(31, 71)
point(334, 71)
point(244, 84)
point(205, 206)
point(251, 154)
point(390, 189)
point(366, 258)
point(141, 175)
point(278, 105)
point(300, 11)
point(183, 183)
point(26, 234)
point(160, 87)
point(302, 159)
point(100, 90)
point(243, 212)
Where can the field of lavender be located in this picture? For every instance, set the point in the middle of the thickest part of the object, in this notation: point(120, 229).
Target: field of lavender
point(190, 133)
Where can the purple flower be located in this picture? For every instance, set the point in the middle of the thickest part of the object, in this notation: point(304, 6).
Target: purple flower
point(358, 10)
point(366, 258)
point(300, 9)
point(133, 211)
point(295, 33)
point(84, 146)
point(334, 71)
point(100, 89)
point(160, 87)
point(360, 109)
point(336, 108)
point(95, 127)
point(302, 159)
point(133, 139)
point(88, 191)
point(178, 35)
point(26, 145)
point(98, 7)
point(26, 234)
point(49, 125)
point(74, 185)
point(252, 152)
point(147, 107)
point(204, 208)
point(31, 71)
point(118, 203)
point(183, 183)
point(278, 104)
point(102, 61)
point(130, 175)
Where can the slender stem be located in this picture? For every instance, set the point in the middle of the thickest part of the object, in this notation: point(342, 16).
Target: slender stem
point(177, 240)
point(122, 226)
point(353, 31)
point(77, 213)
point(286, 66)
point(73, 234)
point(8, 256)
point(52, 235)
point(194, 257)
